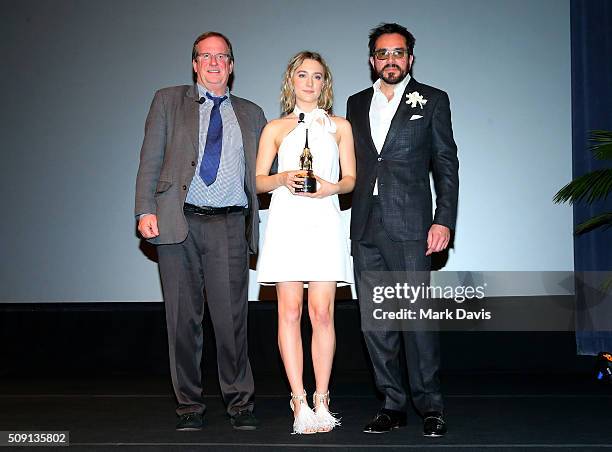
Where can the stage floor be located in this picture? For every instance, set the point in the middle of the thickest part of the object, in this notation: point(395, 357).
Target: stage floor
point(484, 412)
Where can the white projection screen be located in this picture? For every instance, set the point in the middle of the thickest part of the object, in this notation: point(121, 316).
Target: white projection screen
point(78, 78)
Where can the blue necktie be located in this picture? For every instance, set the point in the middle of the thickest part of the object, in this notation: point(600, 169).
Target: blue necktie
point(214, 141)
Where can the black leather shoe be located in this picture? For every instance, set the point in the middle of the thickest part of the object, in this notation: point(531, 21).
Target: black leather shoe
point(434, 425)
point(244, 420)
point(190, 422)
point(385, 420)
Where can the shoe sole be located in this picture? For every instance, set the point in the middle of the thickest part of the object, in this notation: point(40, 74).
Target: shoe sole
point(433, 435)
point(189, 429)
point(387, 431)
point(245, 427)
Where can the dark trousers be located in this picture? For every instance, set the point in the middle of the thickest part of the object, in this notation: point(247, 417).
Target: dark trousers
point(376, 252)
point(210, 265)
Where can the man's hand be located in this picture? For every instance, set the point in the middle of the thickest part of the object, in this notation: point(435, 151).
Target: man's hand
point(147, 226)
point(437, 238)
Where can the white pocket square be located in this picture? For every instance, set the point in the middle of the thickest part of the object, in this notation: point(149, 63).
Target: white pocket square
point(413, 117)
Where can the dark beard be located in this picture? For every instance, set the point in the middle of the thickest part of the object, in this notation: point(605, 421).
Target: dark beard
point(394, 80)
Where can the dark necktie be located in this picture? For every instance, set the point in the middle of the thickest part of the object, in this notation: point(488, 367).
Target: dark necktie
point(214, 141)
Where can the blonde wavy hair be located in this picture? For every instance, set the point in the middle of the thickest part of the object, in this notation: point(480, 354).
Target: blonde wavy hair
point(326, 99)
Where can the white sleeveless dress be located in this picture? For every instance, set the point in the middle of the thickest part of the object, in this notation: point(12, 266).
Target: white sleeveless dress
point(305, 238)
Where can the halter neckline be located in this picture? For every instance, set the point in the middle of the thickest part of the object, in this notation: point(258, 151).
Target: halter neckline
point(316, 117)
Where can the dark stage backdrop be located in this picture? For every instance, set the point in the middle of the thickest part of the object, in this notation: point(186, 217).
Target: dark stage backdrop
point(77, 79)
point(591, 110)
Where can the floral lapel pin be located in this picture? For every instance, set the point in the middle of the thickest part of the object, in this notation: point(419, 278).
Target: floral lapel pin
point(415, 98)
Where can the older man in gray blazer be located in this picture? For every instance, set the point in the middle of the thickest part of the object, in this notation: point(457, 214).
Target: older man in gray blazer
point(196, 200)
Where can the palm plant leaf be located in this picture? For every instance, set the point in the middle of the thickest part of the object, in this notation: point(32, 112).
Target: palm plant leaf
point(607, 285)
point(589, 187)
point(601, 146)
point(593, 186)
point(604, 220)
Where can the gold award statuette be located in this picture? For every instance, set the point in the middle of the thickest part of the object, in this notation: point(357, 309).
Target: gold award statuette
point(309, 185)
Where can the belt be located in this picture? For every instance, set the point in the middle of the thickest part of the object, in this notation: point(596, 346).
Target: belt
point(204, 210)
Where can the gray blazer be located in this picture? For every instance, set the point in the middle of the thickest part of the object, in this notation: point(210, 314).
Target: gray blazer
point(169, 155)
point(411, 149)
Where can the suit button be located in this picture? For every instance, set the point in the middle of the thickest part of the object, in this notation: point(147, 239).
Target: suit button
point(380, 159)
point(192, 163)
point(184, 187)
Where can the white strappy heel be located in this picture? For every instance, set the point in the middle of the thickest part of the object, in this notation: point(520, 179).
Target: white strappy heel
point(326, 420)
point(306, 421)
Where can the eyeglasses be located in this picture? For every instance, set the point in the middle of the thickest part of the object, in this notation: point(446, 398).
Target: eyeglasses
point(384, 54)
point(219, 57)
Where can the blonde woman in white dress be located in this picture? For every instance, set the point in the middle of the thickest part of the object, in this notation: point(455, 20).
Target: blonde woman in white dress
point(305, 239)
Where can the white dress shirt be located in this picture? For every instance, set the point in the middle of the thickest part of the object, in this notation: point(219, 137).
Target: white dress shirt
point(382, 111)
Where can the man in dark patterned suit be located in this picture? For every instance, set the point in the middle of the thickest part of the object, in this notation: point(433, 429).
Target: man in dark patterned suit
point(402, 129)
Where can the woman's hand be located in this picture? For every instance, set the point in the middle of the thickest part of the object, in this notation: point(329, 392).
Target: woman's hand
point(291, 180)
point(325, 189)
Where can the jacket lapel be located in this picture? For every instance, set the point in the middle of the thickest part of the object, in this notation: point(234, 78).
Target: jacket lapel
point(365, 118)
point(400, 115)
point(192, 117)
point(247, 138)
